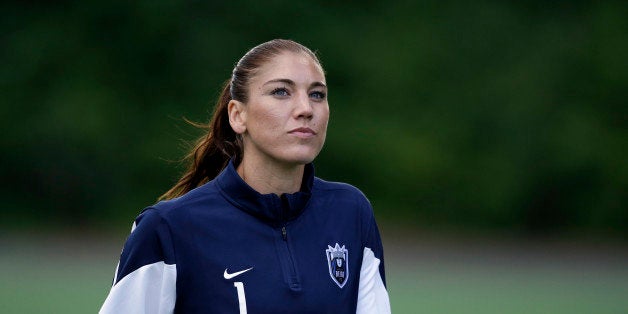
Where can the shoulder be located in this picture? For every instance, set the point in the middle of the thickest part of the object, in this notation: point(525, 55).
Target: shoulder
point(341, 191)
point(193, 199)
point(350, 206)
point(337, 187)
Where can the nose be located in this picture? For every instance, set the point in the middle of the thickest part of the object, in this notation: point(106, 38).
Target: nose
point(303, 108)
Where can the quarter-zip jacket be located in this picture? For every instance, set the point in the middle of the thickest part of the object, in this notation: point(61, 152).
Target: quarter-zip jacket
point(225, 248)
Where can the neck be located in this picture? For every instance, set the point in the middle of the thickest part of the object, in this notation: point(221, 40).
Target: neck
point(268, 177)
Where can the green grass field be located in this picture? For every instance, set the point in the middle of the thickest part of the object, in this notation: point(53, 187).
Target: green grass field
point(425, 275)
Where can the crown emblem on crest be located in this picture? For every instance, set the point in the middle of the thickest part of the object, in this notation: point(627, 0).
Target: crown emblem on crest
point(337, 260)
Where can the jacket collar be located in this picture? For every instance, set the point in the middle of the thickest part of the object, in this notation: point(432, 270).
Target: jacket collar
point(272, 208)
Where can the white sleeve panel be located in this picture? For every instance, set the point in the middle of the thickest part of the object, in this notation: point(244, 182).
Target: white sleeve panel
point(149, 289)
point(372, 294)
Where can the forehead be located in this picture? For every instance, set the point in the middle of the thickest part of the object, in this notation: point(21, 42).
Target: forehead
point(298, 67)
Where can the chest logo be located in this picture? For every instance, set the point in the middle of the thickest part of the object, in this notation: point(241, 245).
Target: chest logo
point(338, 262)
point(228, 276)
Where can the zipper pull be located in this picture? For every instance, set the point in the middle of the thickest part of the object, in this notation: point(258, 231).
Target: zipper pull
point(284, 233)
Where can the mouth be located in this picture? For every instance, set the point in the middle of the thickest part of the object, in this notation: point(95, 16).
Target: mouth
point(303, 132)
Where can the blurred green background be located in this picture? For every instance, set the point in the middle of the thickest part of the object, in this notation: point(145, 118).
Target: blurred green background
point(490, 137)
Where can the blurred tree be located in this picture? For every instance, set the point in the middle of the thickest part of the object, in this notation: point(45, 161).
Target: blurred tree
point(498, 115)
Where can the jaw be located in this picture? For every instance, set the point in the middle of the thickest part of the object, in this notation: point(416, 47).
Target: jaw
point(296, 152)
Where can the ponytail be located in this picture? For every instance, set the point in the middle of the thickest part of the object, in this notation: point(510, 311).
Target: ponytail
point(211, 152)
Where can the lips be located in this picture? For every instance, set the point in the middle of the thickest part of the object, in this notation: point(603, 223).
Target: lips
point(303, 132)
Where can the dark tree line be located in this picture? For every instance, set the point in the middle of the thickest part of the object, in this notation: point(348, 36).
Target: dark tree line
point(483, 115)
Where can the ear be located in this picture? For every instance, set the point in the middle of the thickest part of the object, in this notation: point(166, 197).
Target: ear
point(237, 116)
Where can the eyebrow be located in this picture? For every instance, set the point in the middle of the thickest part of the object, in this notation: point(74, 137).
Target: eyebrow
point(292, 83)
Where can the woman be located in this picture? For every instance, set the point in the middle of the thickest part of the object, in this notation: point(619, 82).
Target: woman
point(248, 228)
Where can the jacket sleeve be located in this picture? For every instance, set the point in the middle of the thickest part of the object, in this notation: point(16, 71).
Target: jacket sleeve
point(372, 294)
point(145, 279)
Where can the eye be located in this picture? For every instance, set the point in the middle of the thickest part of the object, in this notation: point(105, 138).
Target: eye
point(318, 95)
point(280, 91)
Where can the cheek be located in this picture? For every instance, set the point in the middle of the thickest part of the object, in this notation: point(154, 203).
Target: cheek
point(323, 117)
point(264, 121)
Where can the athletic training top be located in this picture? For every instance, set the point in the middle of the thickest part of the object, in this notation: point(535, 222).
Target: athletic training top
point(225, 248)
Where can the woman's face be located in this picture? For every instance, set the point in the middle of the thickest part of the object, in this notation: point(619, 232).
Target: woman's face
point(285, 118)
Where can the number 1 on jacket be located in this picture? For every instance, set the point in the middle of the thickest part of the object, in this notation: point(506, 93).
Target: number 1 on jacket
point(241, 298)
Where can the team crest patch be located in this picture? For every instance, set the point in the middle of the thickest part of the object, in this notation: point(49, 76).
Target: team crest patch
point(338, 260)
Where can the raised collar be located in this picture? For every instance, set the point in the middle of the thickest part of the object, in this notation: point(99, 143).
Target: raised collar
point(272, 208)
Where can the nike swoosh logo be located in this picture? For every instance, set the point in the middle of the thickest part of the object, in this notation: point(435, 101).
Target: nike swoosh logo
point(229, 276)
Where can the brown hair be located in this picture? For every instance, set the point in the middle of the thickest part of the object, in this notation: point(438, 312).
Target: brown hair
point(211, 153)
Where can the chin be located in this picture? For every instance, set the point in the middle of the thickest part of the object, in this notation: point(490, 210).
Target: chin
point(301, 157)
point(301, 160)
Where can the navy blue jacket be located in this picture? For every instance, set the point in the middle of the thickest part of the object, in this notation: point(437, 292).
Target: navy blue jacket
point(225, 248)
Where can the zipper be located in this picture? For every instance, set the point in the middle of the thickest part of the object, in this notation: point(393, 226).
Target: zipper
point(287, 260)
point(283, 244)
